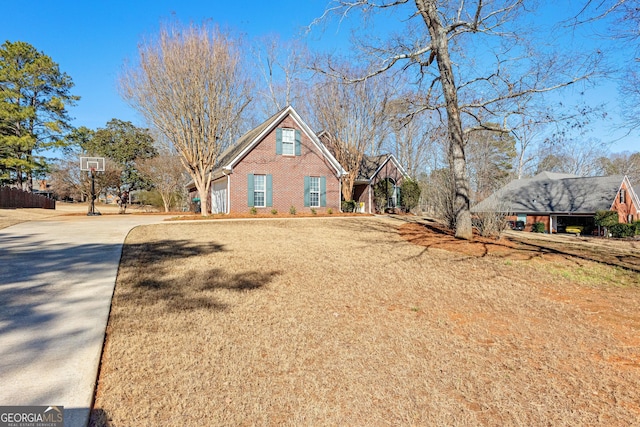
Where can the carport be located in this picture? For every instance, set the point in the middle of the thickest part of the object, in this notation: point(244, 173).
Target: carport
point(560, 222)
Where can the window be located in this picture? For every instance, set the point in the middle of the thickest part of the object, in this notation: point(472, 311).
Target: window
point(259, 191)
point(288, 142)
point(314, 191)
point(622, 195)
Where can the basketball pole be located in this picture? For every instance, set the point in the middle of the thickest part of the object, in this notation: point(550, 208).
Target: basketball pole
point(92, 211)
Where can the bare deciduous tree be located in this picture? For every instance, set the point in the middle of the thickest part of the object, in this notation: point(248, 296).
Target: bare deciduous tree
point(577, 157)
point(166, 174)
point(460, 87)
point(68, 181)
point(283, 67)
point(490, 157)
point(353, 119)
point(412, 138)
point(191, 85)
point(625, 163)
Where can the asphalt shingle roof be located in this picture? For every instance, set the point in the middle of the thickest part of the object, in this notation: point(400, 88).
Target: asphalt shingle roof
point(244, 141)
point(370, 165)
point(554, 193)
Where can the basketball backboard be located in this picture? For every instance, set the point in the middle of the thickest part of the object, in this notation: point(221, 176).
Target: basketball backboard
point(92, 164)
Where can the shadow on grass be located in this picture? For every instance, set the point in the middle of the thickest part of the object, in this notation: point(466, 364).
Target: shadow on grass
point(431, 235)
point(147, 277)
point(606, 256)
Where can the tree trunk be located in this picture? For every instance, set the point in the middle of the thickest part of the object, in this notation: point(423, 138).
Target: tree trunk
point(347, 186)
point(203, 184)
point(440, 46)
point(166, 201)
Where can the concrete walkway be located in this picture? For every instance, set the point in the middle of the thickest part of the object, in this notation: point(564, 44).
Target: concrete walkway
point(56, 281)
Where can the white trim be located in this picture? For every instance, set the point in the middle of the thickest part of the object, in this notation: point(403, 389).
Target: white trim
point(291, 143)
point(311, 205)
point(395, 162)
point(631, 192)
point(340, 194)
point(263, 191)
point(307, 130)
point(228, 194)
point(615, 198)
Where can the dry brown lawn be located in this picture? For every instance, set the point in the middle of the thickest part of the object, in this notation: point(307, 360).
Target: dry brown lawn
point(9, 217)
point(364, 321)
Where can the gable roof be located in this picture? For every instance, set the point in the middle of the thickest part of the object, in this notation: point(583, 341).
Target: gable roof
point(371, 165)
point(233, 154)
point(554, 193)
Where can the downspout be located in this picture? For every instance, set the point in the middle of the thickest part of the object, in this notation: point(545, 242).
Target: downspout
point(229, 193)
point(340, 192)
point(228, 196)
point(370, 200)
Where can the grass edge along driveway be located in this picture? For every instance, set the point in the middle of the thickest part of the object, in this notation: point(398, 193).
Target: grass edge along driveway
point(345, 322)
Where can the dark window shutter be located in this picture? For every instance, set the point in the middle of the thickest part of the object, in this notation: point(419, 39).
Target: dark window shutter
point(250, 189)
point(323, 191)
point(306, 191)
point(269, 201)
point(278, 141)
point(298, 146)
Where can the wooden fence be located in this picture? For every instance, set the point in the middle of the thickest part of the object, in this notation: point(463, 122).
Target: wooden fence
point(14, 198)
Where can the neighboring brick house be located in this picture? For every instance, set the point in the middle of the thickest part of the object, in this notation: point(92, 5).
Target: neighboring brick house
point(560, 200)
point(374, 169)
point(279, 164)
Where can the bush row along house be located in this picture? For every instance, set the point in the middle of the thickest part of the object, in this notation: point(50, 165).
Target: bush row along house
point(282, 164)
point(561, 200)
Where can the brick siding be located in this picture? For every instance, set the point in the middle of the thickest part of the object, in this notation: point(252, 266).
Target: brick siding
point(627, 208)
point(287, 173)
point(361, 192)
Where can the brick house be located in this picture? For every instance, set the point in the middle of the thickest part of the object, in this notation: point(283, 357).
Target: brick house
point(559, 200)
point(277, 165)
point(373, 170)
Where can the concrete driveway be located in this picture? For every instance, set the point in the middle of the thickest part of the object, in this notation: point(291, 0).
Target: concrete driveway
point(56, 281)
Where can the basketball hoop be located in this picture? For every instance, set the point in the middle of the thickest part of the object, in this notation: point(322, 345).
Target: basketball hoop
point(92, 164)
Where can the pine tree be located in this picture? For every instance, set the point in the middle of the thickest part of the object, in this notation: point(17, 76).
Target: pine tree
point(34, 96)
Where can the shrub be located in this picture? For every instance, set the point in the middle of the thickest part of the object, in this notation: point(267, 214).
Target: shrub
point(253, 211)
point(330, 211)
point(274, 211)
point(381, 193)
point(637, 226)
point(152, 198)
point(348, 205)
point(313, 211)
point(606, 218)
point(292, 210)
point(490, 224)
point(538, 227)
point(622, 230)
point(409, 194)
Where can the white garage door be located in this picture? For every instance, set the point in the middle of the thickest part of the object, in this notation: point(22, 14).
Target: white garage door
point(219, 197)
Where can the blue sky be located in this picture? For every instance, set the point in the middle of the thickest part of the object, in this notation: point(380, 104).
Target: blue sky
point(91, 39)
